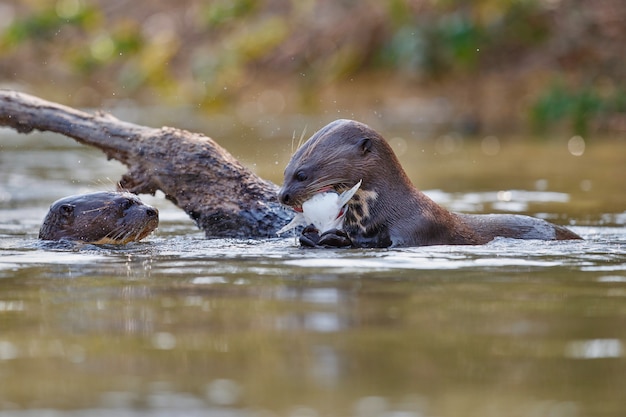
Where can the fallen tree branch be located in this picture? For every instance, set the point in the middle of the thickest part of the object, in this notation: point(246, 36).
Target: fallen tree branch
point(223, 197)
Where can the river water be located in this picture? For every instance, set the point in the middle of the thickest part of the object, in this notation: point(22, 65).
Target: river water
point(181, 325)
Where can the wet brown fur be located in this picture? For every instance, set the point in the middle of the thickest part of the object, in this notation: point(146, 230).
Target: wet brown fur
point(99, 218)
point(388, 210)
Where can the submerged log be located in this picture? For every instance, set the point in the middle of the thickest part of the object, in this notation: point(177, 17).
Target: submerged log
point(223, 197)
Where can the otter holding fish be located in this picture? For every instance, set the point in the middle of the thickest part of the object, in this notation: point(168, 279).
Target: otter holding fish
point(105, 217)
point(387, 209)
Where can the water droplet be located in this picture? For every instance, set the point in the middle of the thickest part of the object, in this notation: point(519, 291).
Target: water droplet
point(576, 145)
point(504, 196)
point(399, 145)
point(594, 349)
point(223, 392)
point(586, 185)
point(8, 350)
point(541, 185)
point(164, 340)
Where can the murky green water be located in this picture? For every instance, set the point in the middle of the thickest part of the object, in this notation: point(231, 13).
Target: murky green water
point(181, 325)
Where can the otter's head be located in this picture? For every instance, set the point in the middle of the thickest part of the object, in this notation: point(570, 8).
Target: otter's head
point(337, 157)
point(99, 218)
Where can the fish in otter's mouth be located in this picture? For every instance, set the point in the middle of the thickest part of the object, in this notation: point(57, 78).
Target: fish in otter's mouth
point(325, 210)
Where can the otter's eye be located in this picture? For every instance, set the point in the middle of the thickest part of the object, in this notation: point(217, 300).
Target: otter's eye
point(127, 204)
point(301, 176)
point(66, 209)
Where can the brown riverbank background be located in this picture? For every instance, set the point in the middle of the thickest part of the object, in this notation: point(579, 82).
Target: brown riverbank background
point(469, 67)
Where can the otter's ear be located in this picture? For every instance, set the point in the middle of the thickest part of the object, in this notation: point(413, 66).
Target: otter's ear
point(365, 145)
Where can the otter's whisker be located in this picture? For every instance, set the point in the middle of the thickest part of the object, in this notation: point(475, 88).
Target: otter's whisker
point(300, 141)
point(94, 209)
point(325, 182)
point(115, 234)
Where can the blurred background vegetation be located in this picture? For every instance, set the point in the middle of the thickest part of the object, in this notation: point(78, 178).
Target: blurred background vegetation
point(477, 67)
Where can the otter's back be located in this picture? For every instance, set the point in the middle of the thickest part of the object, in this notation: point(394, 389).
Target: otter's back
point(490, 226)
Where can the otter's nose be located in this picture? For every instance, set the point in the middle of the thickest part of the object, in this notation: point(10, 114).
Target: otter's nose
point(283, 196)
point(152, 212)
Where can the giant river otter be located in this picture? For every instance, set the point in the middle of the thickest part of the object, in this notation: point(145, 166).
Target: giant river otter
point(99, 218)
point(388, 210)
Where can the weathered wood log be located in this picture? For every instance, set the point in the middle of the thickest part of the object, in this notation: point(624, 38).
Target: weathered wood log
point(223, 197)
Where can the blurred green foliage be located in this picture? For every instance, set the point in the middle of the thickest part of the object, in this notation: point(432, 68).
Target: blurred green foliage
point(43, 24)
point(460, 35)
point(210, 54)
point(577, 107)
point(218, 13)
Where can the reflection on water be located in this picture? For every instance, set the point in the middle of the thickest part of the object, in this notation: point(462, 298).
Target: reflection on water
point(182, 325)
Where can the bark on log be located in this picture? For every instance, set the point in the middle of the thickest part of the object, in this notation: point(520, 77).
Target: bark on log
point(223, 197)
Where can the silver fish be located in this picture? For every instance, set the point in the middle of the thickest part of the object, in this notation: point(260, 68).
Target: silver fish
point(324, 210)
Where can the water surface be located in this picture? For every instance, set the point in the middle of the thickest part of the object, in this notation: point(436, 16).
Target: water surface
point(182, 325)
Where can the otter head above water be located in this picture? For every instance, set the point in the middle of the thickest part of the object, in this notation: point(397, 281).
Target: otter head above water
point(387, 210)
point(104, 217)
point(335, 158)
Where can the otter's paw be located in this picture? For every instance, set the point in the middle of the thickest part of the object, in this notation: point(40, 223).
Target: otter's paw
point(335, 238)
point(310, 236)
